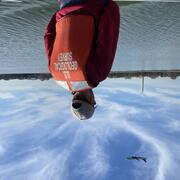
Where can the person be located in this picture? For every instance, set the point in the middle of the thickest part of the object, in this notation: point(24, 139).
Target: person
point(80, 43)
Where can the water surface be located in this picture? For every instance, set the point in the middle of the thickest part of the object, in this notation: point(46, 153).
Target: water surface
point(149, 36)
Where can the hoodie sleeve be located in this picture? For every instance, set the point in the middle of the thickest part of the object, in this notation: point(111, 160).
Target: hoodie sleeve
point(102, 57)
point(49, 36)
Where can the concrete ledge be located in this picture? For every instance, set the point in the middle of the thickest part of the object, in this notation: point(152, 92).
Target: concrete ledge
point(173, 74)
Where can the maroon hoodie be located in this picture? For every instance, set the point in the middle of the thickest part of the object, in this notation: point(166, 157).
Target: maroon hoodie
point(107, 22)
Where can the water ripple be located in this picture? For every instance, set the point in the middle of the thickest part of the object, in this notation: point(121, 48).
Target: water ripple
point(149, 38)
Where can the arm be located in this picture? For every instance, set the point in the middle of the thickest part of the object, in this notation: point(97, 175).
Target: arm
point(101, 59)
point(49, 36)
